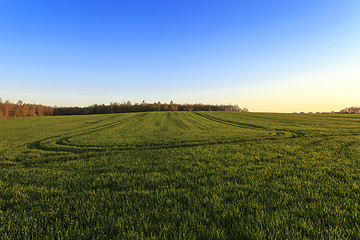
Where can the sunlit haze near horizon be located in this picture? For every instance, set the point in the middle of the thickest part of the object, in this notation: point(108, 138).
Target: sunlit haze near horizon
point(268, 56)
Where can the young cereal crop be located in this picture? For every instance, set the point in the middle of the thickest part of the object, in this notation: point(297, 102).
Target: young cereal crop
point(180, 175)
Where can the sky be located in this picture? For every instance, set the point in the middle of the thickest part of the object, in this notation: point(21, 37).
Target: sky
point(267, 56)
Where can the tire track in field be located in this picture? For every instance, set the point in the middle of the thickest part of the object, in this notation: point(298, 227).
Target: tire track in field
point(232, 123)
point(80, 153)
point(83, 154)
point(60, 140)
point(65, 141)
point(59, 148)
point(195, 122)
point(60, 144)
point(278, 132)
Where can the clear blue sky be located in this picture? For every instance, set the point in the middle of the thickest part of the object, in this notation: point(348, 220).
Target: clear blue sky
point(264, 55)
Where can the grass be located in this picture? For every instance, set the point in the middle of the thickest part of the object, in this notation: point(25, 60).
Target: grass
point(183, 175)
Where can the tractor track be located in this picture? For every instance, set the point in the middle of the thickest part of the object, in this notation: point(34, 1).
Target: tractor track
point(59, 147)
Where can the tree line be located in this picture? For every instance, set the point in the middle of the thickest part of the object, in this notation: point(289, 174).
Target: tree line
point(20, 109)
point(351, 110)
point(143, 107)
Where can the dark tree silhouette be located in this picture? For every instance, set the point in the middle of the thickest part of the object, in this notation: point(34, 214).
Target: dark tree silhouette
point(20, 109)
point(143, 107)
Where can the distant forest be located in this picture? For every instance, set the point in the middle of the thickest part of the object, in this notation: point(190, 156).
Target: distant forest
point(143, 107)
point(20, 109)
point(351, 110)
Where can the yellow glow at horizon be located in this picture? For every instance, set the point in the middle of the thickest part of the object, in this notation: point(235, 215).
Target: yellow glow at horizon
point(323, 91)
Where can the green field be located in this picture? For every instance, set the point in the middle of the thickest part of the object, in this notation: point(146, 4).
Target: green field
point(180, 175)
